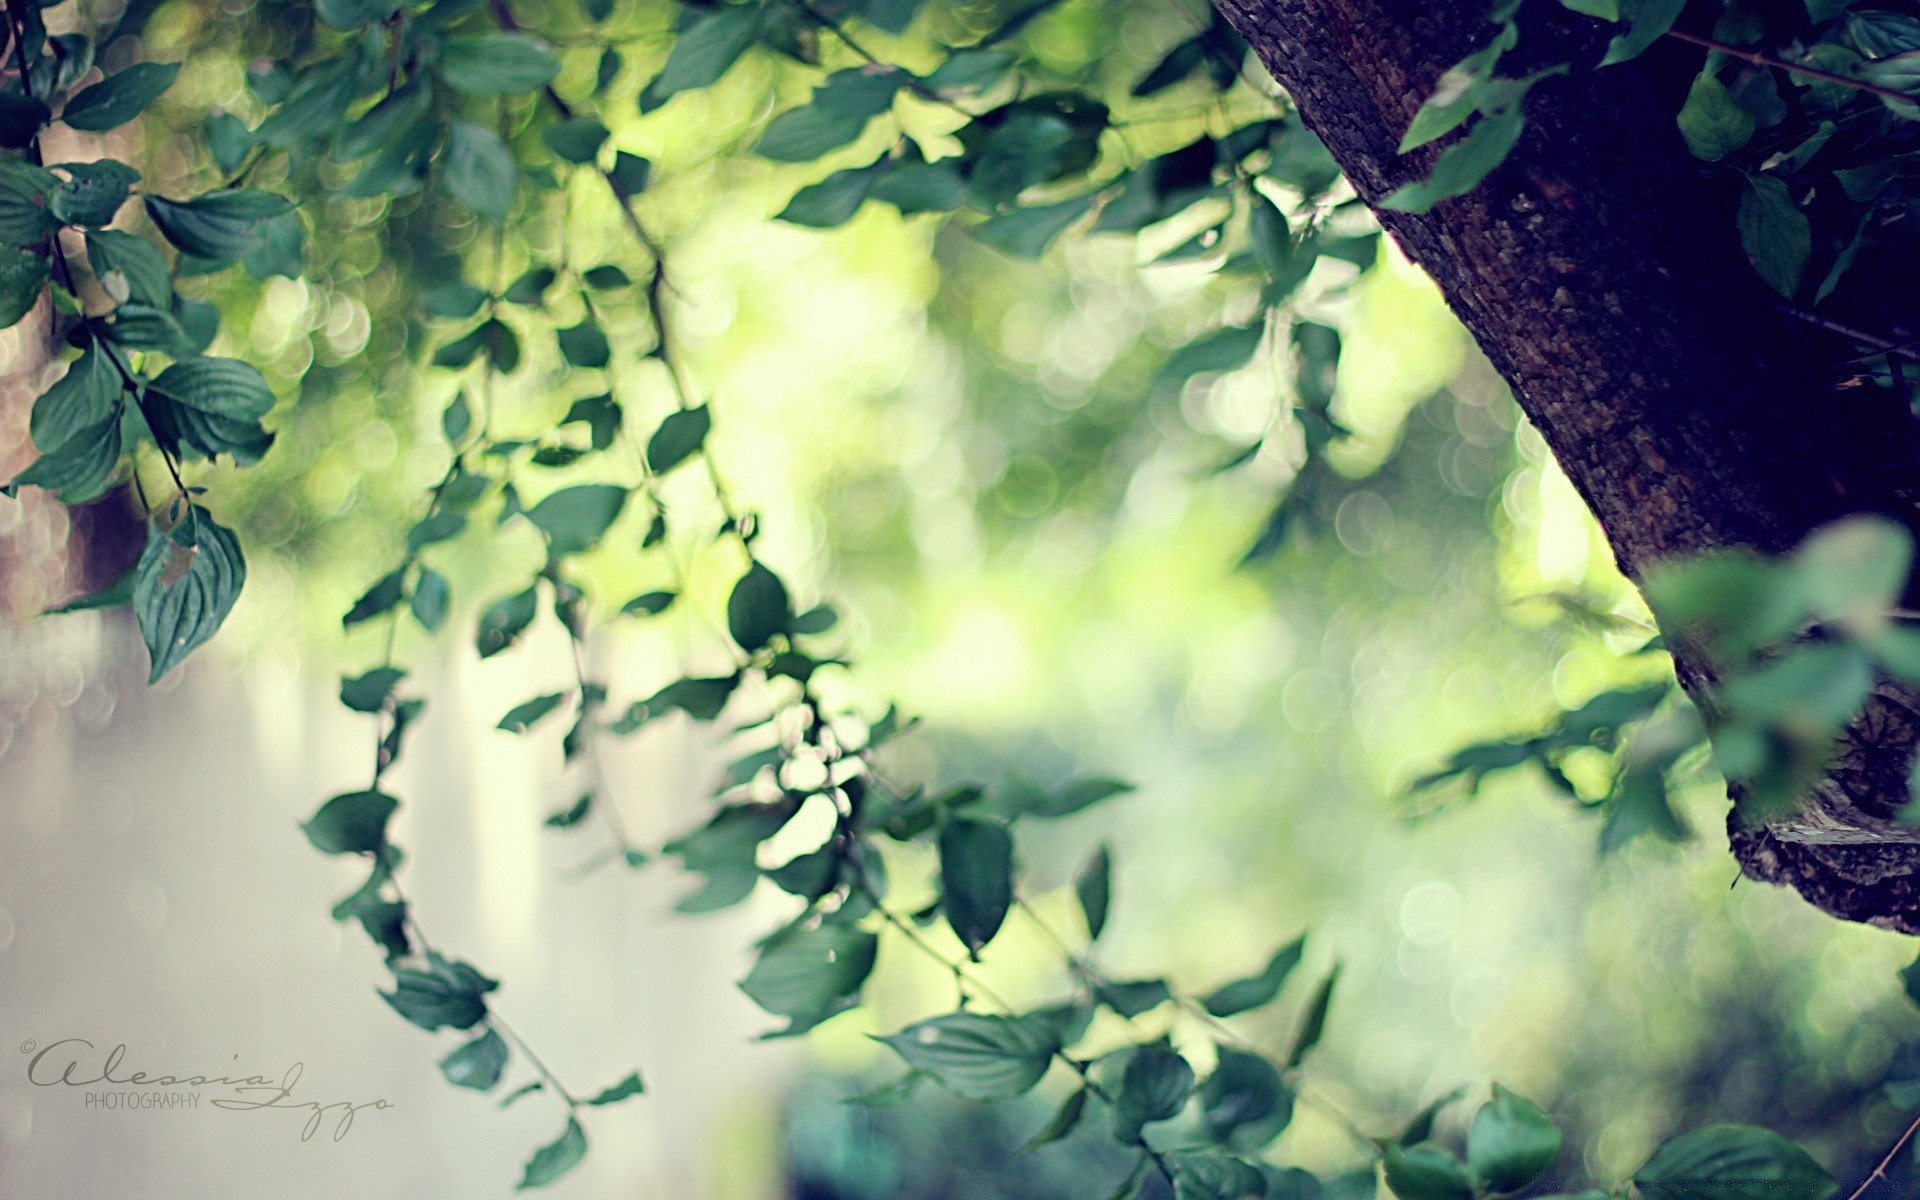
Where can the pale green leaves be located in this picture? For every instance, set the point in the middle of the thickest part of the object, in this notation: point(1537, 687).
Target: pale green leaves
point(119, 98)
point(979, 1057)
point(1775, 233)
point(1732, 1162)
point(184, 586)
point(1713, 123)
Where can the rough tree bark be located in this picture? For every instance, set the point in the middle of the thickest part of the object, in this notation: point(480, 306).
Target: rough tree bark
point(1600, 272)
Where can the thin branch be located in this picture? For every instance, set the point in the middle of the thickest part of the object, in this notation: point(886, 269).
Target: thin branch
point(1762, 60)
point(1880, 1172)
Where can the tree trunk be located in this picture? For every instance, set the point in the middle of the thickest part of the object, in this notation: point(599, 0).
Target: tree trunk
point(1600, 271)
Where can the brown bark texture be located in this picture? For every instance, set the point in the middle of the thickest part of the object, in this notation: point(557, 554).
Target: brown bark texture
point(1600, 271)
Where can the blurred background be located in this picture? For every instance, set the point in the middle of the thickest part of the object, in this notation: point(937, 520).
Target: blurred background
point(1033, 551)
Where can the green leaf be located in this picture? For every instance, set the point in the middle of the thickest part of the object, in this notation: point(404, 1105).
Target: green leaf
point(968, 70)
point(354, 823)
point(92, 192)
point(979, 1057)
point(1130, 998)
point(478, 1064)
point(369, 693)
point(705, 52)
point(1646, 21)
point(219, 226)
point(22, 117)
point(1244, 1099)
point(479, 170)
point(442, 525)
point(1315, 1022)
point(119, 98)
point(630, 173)
point(504, 621)
point(575, 518)
point(1065, 1120)
point(24, 196)
point(129, 267)
point(1774, 232)
point(758, 608)
point(577, 139)
point(1027, 232)
point(1732, 1162)
point(1226, 349)
point(184, 586)
point(351, 14)
point(835, 199)
point(584, 345)
point(379, 598)
point(1464, 164)
point(838, 113)
point(1712, 121)
point(555, 1159)
point(626, 1089)
point(1154, 1087)
point(1425, 1173)
point(279, 248)
point(1511, 1142)
point(606, 277)
point(572, 815)
point(1853, 571)
point(23, 277)
point(86, 395)
point(1255, 990)
point(448, 994)
point(1215, 1177)
point(915, 186)
point(80, 469)
point(976, 879)
point(522, 717)
point(225, 387)
point(679, 436)
point(811, 974)
point(496, 63)
point(651, 603)
point(1094, 888)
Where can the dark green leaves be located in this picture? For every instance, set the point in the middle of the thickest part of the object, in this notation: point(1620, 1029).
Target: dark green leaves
point(504, 621)
point(86, 395)
point(23, 277)
point(1646, 20)
point(575, 518)
point(1252, 992)
point(219, 226)
point(129, 268)
point(1314, 1023)
point(577, 139)
point(1215, 1177)
point(811, 974)
point(491, 64)
point(225, 387)
point(976, 878)
point(1065, 1120)
point(379, 598)
point(979, 1057)
point(555, 1159)
point(1774, 232)
point(1094, 889)
point(1732, 1162)
point(625, 1089)
point(355, 823)
point(758, 608)
point(479, 170)
point(92, 192)
point(839, 112)
point(448, 994)
point(1244, 1101)
point(24, 192)
point(1154, 1087)
point(835, 199)
point(680, 435)
point(119, 98)
point(184, 586)
point(705, 52)
point(1027, 232)
point(1511, 1142)
point(478, 1064)
point(1712, 121)
point(1425, 1173)
point(522, 717)
point(584, 345)
point(369, 693)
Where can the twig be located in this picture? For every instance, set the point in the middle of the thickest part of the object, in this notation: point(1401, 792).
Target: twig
point(1761, 60)
point(1880, 1172)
